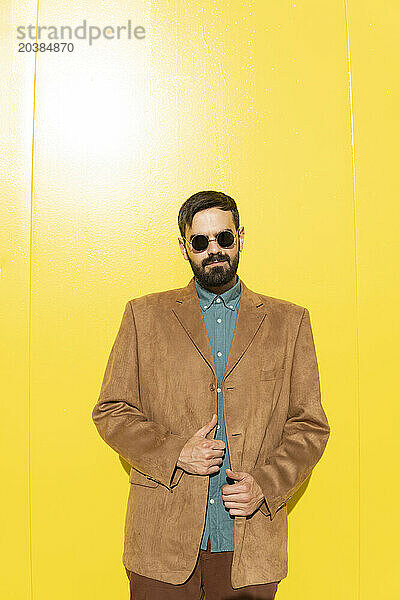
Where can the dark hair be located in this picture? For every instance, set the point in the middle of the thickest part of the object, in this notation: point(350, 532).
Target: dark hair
point(201, 201)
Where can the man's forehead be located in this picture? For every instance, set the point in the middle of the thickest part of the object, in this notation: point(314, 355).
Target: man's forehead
point(211, 225)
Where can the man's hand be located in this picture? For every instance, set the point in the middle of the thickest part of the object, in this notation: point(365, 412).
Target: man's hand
point(243, 497)
point(200, 456)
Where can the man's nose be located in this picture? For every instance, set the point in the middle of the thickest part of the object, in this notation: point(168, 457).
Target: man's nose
point(213, 245)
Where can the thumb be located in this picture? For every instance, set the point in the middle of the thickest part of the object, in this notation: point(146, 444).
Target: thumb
point(207, 428)
point(235, 474)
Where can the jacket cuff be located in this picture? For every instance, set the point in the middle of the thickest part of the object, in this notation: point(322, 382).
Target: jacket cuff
point(176, 477)
point(264, 509)
point(270, 506)
point(164, 469)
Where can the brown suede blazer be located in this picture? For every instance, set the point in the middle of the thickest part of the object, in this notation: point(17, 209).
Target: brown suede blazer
point(159, 388)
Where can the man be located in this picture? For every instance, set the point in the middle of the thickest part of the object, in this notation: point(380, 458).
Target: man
point(211, 393)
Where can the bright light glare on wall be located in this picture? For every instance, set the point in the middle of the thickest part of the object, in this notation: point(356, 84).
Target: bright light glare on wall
point(92, 114)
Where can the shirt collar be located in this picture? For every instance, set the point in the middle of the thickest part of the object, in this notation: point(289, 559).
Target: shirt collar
point(230, 298)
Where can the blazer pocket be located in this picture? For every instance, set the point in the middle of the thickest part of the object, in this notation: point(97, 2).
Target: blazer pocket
point(140, 479)
point(274, 373)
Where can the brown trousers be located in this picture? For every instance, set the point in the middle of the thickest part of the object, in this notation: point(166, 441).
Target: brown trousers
point(210, 579)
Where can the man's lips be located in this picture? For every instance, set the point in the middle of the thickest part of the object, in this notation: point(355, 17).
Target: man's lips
point(219, 262)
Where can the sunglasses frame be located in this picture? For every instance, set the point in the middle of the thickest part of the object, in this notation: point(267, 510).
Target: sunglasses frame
point(215, 239)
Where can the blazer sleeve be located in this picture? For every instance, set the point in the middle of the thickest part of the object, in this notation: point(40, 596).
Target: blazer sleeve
point(146, 445)
point(305, 432)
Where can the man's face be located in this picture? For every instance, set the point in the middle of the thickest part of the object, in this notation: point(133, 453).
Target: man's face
point(207, 271)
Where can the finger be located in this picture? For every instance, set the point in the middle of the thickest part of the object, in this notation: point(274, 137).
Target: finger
point(215, 461)
point(218, 451)
point(233, 490)
point(236, 499)
point(218, 444)
point(235, 474)
point(237, 505)
point(239, 513)
point(203, 431)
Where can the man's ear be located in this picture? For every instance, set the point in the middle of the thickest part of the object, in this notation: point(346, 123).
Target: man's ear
point(183, 248)
point(241, 237)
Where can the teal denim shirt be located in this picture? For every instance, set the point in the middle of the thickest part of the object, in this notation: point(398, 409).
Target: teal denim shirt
point(220, 314)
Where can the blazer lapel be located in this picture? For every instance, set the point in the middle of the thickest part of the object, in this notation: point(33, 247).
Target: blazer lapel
point(188, 312)
point(250, 316)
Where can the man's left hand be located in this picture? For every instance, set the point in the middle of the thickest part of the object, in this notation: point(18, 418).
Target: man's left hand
point(243, 497)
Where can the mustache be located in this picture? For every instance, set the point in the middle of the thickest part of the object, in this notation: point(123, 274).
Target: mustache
point(215, 259)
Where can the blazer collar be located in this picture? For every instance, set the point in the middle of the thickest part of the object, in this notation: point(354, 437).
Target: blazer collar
point(251, 314)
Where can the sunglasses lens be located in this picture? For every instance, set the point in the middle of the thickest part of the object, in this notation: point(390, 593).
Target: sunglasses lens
point(199, 243)
point(225, 239)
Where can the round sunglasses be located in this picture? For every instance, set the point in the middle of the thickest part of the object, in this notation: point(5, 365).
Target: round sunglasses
point(225, 239)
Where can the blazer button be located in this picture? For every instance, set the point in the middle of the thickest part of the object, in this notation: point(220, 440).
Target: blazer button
point(212, 387)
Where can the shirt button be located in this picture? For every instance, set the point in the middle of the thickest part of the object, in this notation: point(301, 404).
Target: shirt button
point(219, 320)
point(230, 306)
point(218, 389)
point(212, 501)
point(205, 306)
point(218, 300)
point(218, 426)
point(212, 388)
point(219, 353)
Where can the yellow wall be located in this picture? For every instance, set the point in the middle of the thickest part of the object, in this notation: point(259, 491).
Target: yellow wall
point(291, 108)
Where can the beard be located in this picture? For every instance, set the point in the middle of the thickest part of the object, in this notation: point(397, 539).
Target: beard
point(217, 275)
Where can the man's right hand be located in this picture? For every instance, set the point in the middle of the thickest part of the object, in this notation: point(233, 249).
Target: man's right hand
point(201, 456)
